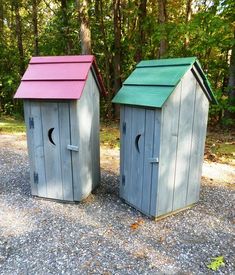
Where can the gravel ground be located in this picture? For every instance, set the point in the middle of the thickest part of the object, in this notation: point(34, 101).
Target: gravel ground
point(38, 236)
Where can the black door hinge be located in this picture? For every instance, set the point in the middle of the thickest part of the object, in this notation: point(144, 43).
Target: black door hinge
point(123, 180)
point(124, 127)
point(31, 123)
point(35, 177)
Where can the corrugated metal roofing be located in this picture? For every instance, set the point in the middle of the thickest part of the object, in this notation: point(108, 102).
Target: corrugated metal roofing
point(153, 81)
point(58, 77)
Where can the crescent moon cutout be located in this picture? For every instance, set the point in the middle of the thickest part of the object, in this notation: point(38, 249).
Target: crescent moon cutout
point(50, 135)
point(137, 142)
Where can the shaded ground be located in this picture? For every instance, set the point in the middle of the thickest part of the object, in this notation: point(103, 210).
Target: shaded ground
point(98, 236)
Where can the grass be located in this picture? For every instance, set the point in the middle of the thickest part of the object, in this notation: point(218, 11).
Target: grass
point(109, 132)
point(10, 125)
point(220, 145)
point(109, 135)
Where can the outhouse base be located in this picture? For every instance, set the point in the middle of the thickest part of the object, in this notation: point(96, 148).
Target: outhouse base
point(64, 201)
point(174, 212)
point(158, 218)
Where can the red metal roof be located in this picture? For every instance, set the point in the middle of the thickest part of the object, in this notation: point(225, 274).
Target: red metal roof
point(58, 77)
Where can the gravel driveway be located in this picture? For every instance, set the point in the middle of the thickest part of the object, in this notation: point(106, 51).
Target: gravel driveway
point(97, 236)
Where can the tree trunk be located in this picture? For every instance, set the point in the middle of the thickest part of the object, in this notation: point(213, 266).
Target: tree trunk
point(231, 87)
point(141, 35)
point(18, 29)
point(65, 19)
point(1, 19)
point(117, 50)
point(100, 19)
point(188, 17)
point(85, 32)
point(35, 26)
point(162, 20)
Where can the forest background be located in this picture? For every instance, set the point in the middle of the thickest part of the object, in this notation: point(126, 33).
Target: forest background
point(120, 33)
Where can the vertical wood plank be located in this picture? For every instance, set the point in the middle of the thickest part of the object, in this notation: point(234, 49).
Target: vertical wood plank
point(75, 140)
point(38, 148)
point(95, 130)
point(122, 185)
point(65, 154)
point(50, 120)
point(147, 166)
point(30, 146)
point(155, 166)
point(197, 145)
point(137, 156)
point(184, 140)
point(127, 164)
point(168, 148)
point(83, 119)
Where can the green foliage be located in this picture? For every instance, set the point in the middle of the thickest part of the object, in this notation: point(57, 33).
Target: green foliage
point(11, 125)
point(207, 34)
point(216, 263)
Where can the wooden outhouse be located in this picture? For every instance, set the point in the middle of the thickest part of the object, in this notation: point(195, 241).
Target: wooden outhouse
point(61, 106)
point(163, 121)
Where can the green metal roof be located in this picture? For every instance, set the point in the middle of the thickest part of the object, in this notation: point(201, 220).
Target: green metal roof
point(153, 81)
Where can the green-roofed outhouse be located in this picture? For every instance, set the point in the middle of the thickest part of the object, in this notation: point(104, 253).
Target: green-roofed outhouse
point(164, 111)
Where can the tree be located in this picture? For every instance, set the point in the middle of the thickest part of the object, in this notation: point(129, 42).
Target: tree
point(162, 20)
point(188, 17)
point(35, 25)
point(141, 33)
point(230, 112)
point(85, 32)
point(18, 30)
point(117, 49)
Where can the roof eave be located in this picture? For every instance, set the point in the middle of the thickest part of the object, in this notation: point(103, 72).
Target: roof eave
point(98, 77)
point(206, 84)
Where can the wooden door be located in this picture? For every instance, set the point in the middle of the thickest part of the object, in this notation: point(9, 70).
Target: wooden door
point(51, 158)
point(140, 135)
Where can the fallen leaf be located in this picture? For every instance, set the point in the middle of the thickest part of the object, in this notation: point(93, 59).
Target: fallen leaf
point(136, 224)
point(216, 263)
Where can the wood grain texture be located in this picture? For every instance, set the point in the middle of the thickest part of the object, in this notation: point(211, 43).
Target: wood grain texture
point(184, 140)
point(137, 156)
point(95, 99)
point(65, 154)
point(123, 149)
point(147, 166)
point(155, 166)
point(127, 165)
point(50, 120)
point(139, 145)
point(197, 145)
point(75, 140)
point(38, 148)
point(30, 146)
point(84, 115)
point(168, 149)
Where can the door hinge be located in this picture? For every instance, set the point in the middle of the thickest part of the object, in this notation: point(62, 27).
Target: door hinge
point(124, 127)
point(123, 180)
point(153, 160)
point(35, 177)
point(31, 123)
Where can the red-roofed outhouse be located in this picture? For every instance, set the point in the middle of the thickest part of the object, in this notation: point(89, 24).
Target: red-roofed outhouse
point(61, 106)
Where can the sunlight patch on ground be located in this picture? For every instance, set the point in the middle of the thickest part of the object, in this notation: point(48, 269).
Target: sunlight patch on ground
point(219, 172)
point(14, 223)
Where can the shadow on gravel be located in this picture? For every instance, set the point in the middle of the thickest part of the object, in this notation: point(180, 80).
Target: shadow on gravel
point(96, 236)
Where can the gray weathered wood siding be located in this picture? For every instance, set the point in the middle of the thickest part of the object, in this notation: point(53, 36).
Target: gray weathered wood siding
point(86, 135)
point(140, 139)
point(55, 171)
point(183, 132)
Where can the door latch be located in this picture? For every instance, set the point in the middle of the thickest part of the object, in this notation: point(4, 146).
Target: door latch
point(153, 160)
point(72, 147)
